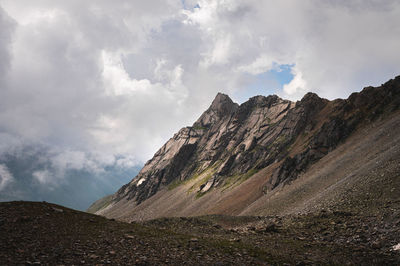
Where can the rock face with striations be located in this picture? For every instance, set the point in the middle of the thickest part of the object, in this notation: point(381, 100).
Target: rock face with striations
point(229, 142)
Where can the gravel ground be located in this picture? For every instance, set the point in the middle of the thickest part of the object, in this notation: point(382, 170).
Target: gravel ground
point(48, 234)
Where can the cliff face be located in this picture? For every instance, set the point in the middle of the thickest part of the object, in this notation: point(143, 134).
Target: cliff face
point(230, 143)
point(227, 138)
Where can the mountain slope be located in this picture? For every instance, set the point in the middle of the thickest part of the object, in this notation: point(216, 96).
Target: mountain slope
point(240, 159)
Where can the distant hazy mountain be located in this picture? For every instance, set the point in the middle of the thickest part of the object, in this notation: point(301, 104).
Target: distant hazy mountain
point(73, 188)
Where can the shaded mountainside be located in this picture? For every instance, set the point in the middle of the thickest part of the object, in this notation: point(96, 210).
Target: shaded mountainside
point(236, 159)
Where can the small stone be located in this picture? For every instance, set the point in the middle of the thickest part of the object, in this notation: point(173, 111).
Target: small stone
point(25, 218)
point(217, 226)
point(396, 247)
point(271, 228)
point(376, 245)
point(129, 237)
point(57, 210)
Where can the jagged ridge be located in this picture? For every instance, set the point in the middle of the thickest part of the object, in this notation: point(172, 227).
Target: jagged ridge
point(231, 142)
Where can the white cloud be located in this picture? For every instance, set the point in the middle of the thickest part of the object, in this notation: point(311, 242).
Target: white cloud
point(297, 87)
point(44, 177)
point(5, 177)
point(126, 162)
point(69, 83)
point(117, 80)
point(220, 52)
point(69, 160)
point(339, 47)
point(261, 65)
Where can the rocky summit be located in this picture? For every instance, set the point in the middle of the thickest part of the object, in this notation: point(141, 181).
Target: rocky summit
point(267, 156)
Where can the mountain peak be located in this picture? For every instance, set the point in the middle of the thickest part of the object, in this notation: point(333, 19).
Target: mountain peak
point(312, 101)
point(221, 95)
point(221, 101)
point(221, 106)
point(260, 100)
point(310, 96)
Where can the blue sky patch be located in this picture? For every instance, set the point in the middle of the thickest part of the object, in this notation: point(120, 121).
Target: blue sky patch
point(283, 74)
point(266, 83)
point(186, 7)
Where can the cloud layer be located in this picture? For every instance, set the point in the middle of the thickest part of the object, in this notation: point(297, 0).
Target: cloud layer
point(99, 83)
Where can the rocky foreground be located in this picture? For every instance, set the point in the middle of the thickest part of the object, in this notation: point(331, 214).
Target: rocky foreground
point(33, 233)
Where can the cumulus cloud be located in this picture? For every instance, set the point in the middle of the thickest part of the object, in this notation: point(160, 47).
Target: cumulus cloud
point(337, 46)
point(260, 65)
point(67, 84)
point(297, 87)
point(43, 177)
point(102, 83)
point(5, 177)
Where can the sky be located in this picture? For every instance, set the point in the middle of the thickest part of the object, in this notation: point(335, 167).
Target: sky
point(89, 90)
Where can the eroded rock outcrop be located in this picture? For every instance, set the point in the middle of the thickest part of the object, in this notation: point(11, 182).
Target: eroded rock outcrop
point(231, 142)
